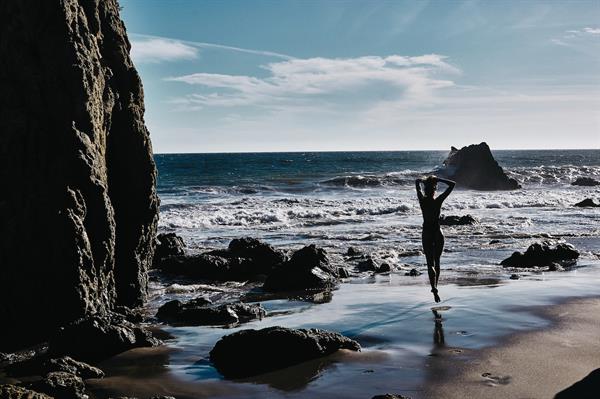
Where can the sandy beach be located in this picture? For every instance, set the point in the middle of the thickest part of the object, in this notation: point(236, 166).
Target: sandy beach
point(537, 364)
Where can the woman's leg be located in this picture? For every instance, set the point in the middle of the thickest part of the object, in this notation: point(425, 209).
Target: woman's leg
point(439, 248)
point(429, 250)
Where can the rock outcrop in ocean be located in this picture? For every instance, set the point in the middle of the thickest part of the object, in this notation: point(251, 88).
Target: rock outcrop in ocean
point(474, 167)
point(78, 204)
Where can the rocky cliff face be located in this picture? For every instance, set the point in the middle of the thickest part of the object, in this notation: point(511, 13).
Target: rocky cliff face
point(78, 206)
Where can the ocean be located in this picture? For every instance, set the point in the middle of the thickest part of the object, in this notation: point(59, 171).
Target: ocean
point(365, 200)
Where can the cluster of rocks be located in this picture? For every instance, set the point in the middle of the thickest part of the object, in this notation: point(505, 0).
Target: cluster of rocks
point(248, 259)
point(544, 254)
point(453, 220)
point(371, 265)
point(474, 167)
point(60, 368)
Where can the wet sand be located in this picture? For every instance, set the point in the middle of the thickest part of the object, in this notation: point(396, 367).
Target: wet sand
point(536, 364)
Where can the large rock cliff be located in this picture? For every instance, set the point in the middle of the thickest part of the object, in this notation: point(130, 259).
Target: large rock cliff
point(78, 205)
point(474, 167)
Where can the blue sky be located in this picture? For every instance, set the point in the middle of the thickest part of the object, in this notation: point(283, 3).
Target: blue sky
point(223, 76)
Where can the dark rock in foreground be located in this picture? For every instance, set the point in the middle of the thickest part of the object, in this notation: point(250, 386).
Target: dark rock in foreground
point(245, 259)
point(78, 205)
point(200, 312)
point(308, 268)
point(585, 181)
point(61, 385)
point(390, 396)
point(168, 244)
point(44, 365)
point(542, 254)
point(454, 220)
point(474, 167)
point(248, 353)
point(9, 391)
point(587, 203)
point(98, 337)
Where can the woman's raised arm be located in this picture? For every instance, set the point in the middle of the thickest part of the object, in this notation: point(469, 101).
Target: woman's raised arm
point(418, 187)
point(448, 190)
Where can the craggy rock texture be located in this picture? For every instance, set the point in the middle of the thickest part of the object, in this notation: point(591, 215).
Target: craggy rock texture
point(201, 312)
point(453, 220)
point(61, 385)
point(79, 205)
point(96, 338)
point(474, 167)
point(16, 392)
point(585, 181)
point(308, 268)
point(168, 244)
point(252, 352)
point(546, 253)
point(44, 365)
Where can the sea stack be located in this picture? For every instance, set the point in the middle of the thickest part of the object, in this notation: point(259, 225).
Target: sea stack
point(78, 204)
point(474, 167)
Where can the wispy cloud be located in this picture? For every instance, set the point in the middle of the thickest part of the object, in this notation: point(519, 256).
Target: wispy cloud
point(158, 45)
point(330, 80)
point(585, 40)
point(160, 49)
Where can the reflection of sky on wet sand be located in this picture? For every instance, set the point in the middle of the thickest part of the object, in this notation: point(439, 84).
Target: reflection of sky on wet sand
point(391, 319)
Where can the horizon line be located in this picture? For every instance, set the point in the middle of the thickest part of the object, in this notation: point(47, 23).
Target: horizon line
point(338, 151)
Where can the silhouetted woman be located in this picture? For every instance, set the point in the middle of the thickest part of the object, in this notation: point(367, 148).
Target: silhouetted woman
point(433, 239)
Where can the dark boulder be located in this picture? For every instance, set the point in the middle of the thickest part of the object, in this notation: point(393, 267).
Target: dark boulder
point(199, 312)
point(353, 252)
point(79, 209)
point(308, 268)
point(98, 337)
point(248, 353)
point(474, 167)
point(61, 385)
point(370, 265)
point(587, 203)
point(264, 257)
point(542, 254)
point(8, 391)
point(168, 244)
point(454, 220)
point(367, 265)
point(585, 181)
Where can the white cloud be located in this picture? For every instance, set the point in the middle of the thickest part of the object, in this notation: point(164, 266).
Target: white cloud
point(152, 50)
point(332, 80)
point(592, 31)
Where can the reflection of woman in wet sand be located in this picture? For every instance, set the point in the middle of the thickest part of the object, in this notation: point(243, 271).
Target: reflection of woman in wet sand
point(433, 239)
